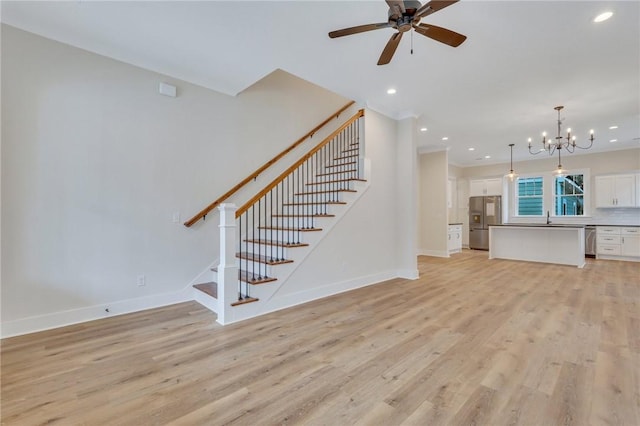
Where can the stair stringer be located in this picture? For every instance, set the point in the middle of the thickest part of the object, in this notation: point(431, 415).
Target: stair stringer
point(266, 292)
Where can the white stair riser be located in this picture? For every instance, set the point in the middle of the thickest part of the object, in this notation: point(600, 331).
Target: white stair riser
point(329, 186)
point(298, 222)
point(342, 163)
point(324, 197)
point(256, 268)
point(340, 166)
point(266, 250)
point(286, 236)
point(308, 209)
point(337, 175)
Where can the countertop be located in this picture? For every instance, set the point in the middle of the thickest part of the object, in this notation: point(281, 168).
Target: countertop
point(608, 224)
point(578, 225)
point(541, 225)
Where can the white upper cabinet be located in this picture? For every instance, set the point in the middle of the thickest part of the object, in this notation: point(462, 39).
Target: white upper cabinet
point(616, 191)
point(485, 187)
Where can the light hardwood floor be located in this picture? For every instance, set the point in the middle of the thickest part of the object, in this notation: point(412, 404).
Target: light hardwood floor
point(472, 341)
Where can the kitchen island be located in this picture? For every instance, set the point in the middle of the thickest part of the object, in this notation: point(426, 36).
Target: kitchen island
point(560, 244)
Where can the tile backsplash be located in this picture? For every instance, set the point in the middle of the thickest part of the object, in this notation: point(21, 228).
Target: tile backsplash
point(615, 217)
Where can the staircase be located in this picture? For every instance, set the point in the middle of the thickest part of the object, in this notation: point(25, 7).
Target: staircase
point(278, 227)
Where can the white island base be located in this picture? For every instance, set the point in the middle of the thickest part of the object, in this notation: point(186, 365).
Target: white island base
point(562, 245)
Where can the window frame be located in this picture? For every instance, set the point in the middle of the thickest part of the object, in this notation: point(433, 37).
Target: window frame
point(556, 196)
point(548, 197)
point(517, 196)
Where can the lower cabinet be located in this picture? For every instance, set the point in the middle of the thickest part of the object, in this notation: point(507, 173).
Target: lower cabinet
point(630, 245)
point(618, 243)
point(454, 243)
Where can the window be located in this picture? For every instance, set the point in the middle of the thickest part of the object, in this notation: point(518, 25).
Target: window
point(529, 196)
point(569, 195)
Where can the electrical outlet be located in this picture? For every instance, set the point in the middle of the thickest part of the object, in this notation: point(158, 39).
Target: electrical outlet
point(142, 280)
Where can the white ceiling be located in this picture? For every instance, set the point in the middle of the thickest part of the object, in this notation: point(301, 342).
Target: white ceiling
point(521, 59)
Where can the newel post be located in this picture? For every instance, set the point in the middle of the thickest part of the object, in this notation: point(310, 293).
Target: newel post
point(227, 269)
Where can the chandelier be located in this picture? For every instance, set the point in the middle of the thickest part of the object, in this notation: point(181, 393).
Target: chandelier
point(560, 142)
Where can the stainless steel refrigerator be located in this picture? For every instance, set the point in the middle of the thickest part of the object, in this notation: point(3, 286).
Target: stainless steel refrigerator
point(483, 211)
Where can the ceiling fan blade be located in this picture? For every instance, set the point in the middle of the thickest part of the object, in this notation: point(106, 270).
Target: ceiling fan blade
point(359, 29)
point(432, 7)
point(390, 49)
point(397, 5)
point(440, 34)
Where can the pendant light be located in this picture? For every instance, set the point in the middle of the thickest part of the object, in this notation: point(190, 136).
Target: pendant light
point(511, 175)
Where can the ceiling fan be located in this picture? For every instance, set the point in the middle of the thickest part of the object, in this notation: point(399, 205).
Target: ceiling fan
point(403, 16)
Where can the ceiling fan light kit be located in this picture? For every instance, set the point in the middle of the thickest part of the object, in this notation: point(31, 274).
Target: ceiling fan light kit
point(403, 16)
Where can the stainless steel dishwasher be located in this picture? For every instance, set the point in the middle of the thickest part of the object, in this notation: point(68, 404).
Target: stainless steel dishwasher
point(590, 241)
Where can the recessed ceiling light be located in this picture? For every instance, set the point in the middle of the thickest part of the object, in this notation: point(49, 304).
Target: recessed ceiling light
point(472, 149)
point(603, 16)
point(613, 140)
point(446, 138)
point(423, 129)
point(613, 127)
point(391, 92)
point(487, 156)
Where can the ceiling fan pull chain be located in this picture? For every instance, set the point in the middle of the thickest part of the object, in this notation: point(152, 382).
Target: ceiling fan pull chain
point(412, 42)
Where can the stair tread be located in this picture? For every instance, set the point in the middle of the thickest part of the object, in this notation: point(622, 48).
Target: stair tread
point(336, 181)
point(319, 203)
point(277, 243)
point(210, 288)
point(304, 215)
point(342, 164)
point(244, 276)
point(337, 173)
point(325, 192)
point(261, 258)
point(344, 157)
point(279, 228)
point(247, 277)
point(244, 301)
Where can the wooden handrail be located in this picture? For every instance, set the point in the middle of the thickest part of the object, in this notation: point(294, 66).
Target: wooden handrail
point(268, 164)
point(308, 155)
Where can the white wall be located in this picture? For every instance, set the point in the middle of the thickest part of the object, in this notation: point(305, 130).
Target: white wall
point(407, 198)
point(432, 216)
point(95, 163)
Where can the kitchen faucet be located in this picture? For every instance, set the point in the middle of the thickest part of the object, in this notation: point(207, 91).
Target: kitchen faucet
point(548, 221)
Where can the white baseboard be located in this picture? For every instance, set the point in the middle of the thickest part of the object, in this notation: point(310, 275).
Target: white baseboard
point(90, 313)
point(410, 274)
point(293, 299)
point(434, 253)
